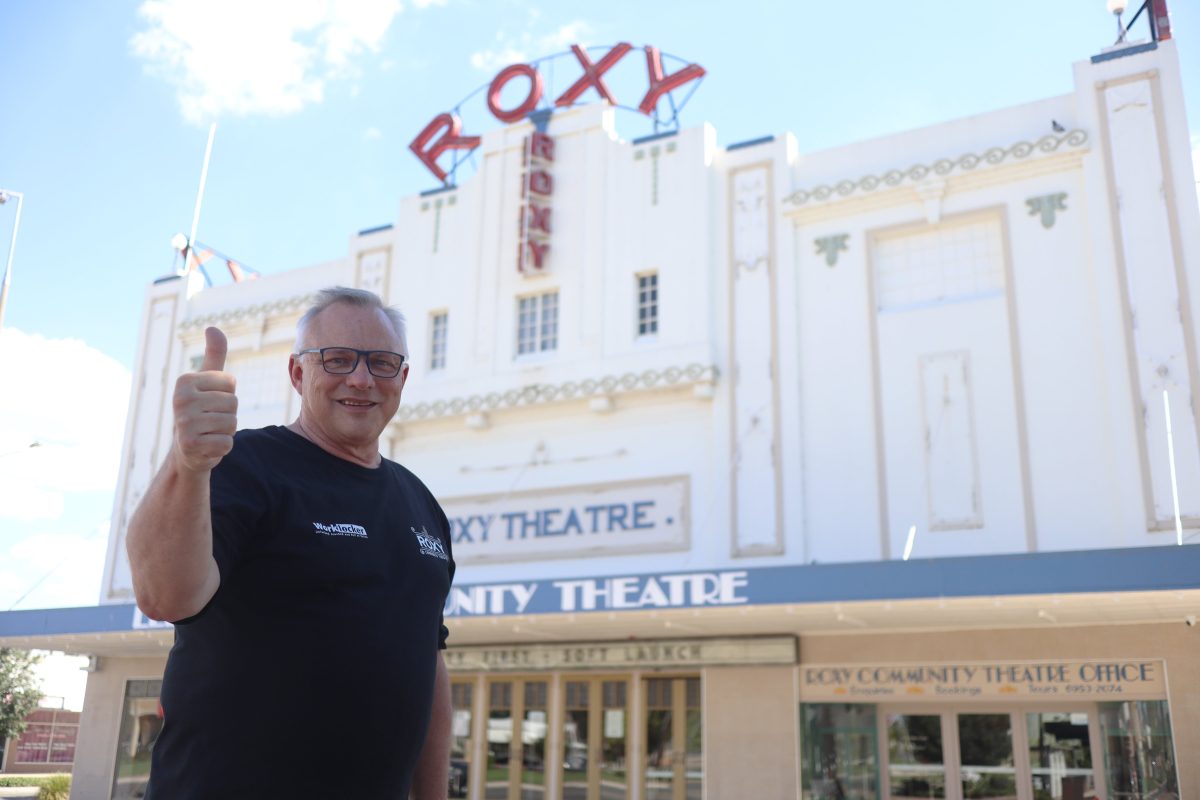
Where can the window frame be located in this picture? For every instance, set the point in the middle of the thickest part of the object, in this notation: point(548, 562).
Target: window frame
point(439, 339)
point(532, 322)
point(646, 328)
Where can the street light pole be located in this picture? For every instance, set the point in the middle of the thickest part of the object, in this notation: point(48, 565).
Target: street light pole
point(5, 194)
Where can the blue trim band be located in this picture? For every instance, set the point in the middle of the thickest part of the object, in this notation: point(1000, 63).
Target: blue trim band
point(1139, 569)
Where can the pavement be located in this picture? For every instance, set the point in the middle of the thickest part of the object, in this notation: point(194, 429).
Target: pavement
point(18, 791)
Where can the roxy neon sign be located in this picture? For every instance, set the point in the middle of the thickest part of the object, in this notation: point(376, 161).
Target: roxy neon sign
point(445, 131)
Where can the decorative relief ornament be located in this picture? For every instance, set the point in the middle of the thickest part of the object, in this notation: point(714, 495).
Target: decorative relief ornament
point(831, 246)
point(1047, 205)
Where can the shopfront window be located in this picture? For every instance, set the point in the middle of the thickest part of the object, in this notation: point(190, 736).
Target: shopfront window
point(1060, 755)
point(1139, 754)
point(141, 723)
point(840, 752)
point(988, 769)
point(48, 739)
point(916, 765)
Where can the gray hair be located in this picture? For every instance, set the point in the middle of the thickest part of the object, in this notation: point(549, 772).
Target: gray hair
point(360, 298)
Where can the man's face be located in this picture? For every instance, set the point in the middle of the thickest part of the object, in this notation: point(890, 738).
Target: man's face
point(348, 410)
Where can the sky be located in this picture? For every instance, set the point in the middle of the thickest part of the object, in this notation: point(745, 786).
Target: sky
point(107, 108)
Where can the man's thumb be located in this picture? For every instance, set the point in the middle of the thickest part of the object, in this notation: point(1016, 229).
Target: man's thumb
point(215, 348)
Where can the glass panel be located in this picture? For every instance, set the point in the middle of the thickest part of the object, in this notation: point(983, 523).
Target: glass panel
point(916, 766)
point(533, 742)
point(1139, 754)
point(460, 739)
point(840, 756)
point(986, 757)
point(575, 742)
point(62, 744)
point(141, 723)
point(660, 754)
point(1060, 756)
point(695, 753)
point(614, 782)
point(34, 745)
point(499, 740)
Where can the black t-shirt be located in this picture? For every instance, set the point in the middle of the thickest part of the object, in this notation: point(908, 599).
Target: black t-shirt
point(310, 672)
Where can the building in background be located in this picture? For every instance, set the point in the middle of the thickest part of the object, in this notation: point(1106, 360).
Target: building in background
point(48, 743)
point(860, 473)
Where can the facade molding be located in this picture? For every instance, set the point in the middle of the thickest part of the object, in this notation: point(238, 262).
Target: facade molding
point(245, 314)
point(698, 376)
point(942, 167)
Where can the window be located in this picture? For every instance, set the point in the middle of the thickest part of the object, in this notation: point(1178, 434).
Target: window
point(647, 304)
point(537, 323)
point(945, 264)
point(437, 340)
point(49, 737)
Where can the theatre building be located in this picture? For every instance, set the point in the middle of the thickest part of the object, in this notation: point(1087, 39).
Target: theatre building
point(865, 473)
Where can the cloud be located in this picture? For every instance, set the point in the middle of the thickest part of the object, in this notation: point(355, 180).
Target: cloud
point(372, 134)
point(266, 56)
point(525, 46)
point(77, 424)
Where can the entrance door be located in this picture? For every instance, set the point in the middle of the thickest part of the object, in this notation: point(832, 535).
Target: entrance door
point(516, 739)
point(594, 732)
point(674, 727)
point(984, 754)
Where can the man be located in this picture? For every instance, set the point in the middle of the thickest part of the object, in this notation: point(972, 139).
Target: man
point(306, 577)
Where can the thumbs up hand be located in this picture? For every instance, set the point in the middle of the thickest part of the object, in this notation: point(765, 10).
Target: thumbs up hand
point(205, 409)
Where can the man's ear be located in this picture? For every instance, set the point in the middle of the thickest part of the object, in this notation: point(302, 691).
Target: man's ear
point(403, 376)
point(296, 373)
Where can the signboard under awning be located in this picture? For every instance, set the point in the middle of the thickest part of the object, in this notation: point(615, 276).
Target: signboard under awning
point(1091, 681)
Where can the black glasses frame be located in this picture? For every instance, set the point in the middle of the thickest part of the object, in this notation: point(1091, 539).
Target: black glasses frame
point(358, 356)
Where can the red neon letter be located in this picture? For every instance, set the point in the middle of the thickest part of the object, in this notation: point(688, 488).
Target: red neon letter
point(660, 85)
point(541, 146)
point(539, 218)
point(592, 74)
point(531, 100)
point(538, 251)
point(541, 182)
point(450, 140)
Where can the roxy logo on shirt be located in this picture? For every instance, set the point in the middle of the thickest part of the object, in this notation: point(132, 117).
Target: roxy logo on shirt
point(430, 545)
point(341, 529)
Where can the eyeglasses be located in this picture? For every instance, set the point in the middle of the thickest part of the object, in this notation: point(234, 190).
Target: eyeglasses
point(344, 360)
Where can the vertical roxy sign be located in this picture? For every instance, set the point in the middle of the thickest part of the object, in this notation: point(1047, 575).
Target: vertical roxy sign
point(537, 189)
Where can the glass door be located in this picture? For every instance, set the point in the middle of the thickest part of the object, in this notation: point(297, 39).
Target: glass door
point(916, 758)
point(1060, 755)
point(516, 740)
point(595, 722)
point(987, 765)
point(674, 728)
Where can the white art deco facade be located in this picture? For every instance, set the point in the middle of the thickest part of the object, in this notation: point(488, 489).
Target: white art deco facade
point(685, 455)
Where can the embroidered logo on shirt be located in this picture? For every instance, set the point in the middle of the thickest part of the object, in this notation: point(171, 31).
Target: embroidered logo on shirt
point(341, 529)
point(430, 545)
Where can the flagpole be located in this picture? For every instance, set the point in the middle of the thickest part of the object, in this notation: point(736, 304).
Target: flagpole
point(212, 131)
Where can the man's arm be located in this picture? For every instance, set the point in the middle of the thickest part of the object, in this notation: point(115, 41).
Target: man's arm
point(433, 766)
point(169, 539)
